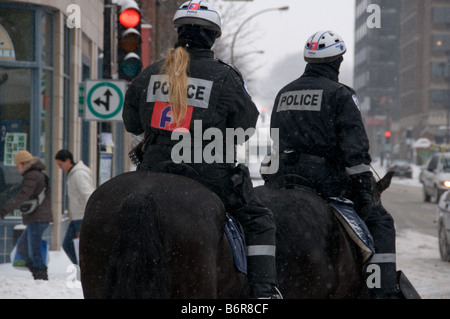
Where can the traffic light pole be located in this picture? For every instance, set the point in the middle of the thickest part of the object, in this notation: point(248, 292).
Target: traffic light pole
point(106, 70)
point(107, 40)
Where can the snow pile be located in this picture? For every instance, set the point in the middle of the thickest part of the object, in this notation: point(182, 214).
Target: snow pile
point(62, 283)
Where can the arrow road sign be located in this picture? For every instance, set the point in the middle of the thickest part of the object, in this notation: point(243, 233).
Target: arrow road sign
point(104, 100)
point(108, 94)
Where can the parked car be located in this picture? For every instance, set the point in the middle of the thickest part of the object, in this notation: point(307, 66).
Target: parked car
point(401, 168)
point(435, 177)
point(443, 218)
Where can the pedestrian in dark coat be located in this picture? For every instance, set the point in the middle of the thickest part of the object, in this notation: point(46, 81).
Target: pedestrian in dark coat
point(34, 182)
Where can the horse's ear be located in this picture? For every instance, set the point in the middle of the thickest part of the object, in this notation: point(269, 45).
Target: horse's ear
point(385, 182)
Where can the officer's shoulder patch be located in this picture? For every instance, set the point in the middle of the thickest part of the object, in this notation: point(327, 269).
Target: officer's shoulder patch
point(354, 96)
point(355, 99)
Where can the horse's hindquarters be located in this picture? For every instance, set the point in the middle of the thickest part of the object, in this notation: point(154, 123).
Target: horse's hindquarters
point(314, 260)
point(154, 235)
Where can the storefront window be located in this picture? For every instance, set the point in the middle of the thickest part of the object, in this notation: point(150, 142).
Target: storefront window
point(25, 89)
point(19, 25)
point(15, 102)
point(46, 39)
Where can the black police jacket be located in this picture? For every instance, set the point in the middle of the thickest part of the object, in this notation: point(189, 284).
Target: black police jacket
point(318, 116)
point(217, 99)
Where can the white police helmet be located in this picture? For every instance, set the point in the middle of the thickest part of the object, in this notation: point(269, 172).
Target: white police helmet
point(324, 47)
point(198, 12)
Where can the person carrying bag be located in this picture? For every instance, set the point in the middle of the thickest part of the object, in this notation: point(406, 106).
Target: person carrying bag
point(36, 211)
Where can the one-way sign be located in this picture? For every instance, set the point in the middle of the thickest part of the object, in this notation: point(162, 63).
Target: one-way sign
point(104, 100)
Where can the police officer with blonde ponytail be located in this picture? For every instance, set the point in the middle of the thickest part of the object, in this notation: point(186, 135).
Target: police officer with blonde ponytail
point(188, 88)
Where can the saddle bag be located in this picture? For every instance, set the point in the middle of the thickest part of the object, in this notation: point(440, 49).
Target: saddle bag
point(236, 240)
point(354, 225)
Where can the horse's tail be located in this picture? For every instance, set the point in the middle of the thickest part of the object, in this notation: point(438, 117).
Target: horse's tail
point(137, 265)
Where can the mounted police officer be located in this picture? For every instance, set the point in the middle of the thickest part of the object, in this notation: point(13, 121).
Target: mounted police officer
point(191, 85)
point(322, 139)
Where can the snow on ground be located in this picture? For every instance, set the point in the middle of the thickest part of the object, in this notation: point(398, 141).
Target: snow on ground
point(62, 283)
point(417, 256)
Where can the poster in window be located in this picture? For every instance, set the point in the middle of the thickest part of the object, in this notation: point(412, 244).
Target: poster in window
point(14, 142)
point(6, 46)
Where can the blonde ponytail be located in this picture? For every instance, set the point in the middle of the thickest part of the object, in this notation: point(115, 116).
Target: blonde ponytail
point(175, 69)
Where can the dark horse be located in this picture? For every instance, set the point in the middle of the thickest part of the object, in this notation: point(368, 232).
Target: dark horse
point(316, 258)
point(157, 235)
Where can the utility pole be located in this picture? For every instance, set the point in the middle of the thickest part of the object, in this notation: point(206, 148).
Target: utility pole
point(107, 40)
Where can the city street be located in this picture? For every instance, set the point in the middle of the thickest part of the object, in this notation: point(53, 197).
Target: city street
point(417, 242)
point(410, 212)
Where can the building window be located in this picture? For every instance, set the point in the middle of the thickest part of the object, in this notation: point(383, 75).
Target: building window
point(26, 88)
point(15, 22)
point(439, 98)
point(14, 123)
point(441, 42)
point(441, 15)
point(440, 70)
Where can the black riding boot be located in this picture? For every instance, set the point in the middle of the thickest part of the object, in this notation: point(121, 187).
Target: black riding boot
point(382, 277)
point(381, 269)
point(260, 231)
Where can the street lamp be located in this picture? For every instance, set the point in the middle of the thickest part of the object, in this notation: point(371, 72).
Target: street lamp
point(247, 20)
point(445, 73)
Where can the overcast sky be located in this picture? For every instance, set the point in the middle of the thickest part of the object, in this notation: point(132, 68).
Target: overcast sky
point(283, 34)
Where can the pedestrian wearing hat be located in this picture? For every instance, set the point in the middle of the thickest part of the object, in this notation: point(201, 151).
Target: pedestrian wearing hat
point(34, 182)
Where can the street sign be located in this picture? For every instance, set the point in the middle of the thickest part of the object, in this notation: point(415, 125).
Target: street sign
point(104, 100)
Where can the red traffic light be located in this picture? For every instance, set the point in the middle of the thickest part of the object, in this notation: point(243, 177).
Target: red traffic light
point(129, 18)
point(387, 134)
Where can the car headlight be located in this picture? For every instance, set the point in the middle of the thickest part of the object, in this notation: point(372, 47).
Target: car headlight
point(446, 184)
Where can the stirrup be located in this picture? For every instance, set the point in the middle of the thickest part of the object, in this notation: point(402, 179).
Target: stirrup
point(274, 294)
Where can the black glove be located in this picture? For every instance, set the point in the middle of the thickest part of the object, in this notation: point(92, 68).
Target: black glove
point(362, 190)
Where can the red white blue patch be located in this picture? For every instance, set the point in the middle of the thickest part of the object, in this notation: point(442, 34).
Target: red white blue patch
point(313, 46)
point(193, 6)
point(162, 117)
